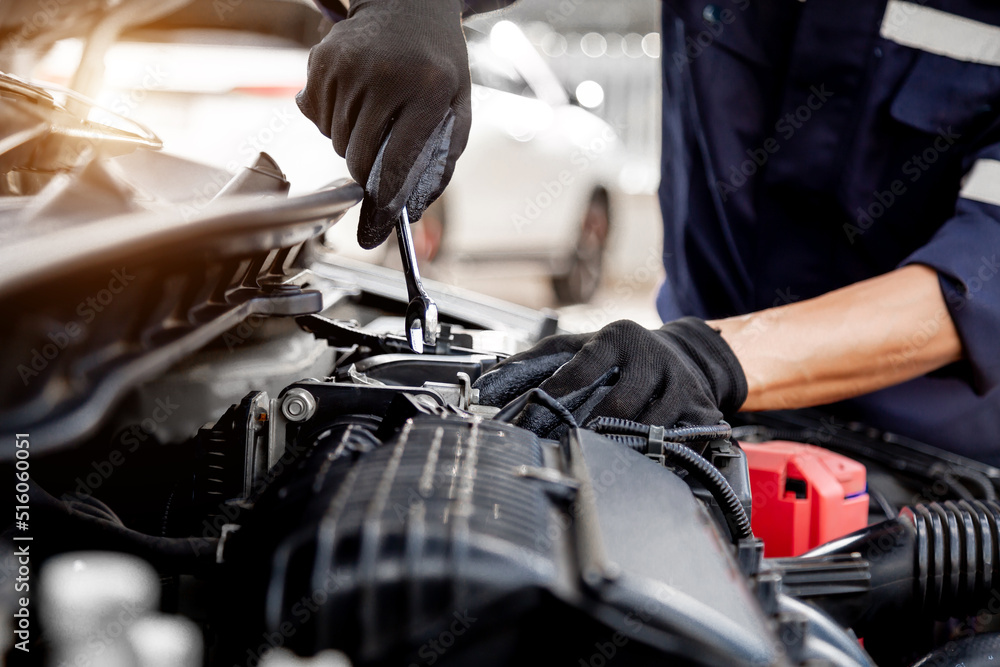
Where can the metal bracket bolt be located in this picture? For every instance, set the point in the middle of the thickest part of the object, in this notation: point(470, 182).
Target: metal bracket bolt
point(298, 405)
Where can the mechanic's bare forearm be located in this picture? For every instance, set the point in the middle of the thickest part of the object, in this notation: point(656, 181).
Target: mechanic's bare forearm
point(858, 339)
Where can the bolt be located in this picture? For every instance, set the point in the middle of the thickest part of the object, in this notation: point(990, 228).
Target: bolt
point(298, 405)
point(276, 285)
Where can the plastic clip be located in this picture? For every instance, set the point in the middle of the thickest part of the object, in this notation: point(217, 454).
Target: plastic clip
point(654, 446)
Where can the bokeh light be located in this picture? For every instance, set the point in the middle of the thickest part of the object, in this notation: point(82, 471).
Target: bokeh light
point(590, 94)
point(594, 44)
point(651, 45)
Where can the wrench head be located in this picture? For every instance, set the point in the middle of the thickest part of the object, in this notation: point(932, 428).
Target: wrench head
point(415, 336)
point(421, 324)
point(431, 327)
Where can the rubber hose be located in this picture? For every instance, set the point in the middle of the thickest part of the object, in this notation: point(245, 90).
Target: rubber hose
point(635, 435)
point(937, 560)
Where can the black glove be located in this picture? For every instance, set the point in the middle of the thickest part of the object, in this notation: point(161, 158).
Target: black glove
point(390, 86)
point(683, 374)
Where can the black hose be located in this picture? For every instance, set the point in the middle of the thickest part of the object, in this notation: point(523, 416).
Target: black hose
point(981, 480)
point(940, 473)
point(637, 436)
point(886, 507)
point(706, 473)
point(937, 560)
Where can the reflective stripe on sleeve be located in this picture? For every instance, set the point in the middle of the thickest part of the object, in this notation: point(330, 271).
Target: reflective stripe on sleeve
point(944, 34)
point(982, 183)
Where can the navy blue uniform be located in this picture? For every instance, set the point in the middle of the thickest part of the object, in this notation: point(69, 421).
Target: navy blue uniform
point(811, 145)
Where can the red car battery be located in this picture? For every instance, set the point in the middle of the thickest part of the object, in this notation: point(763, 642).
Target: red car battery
point(803, 496)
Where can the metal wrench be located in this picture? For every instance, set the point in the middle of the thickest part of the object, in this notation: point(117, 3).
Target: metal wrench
point(421, 312)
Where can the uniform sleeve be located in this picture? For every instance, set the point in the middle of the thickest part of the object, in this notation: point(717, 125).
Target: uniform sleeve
point(335, 10)
point(965, 251)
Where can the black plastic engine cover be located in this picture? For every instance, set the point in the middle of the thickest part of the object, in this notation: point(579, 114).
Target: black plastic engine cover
point(466, 541)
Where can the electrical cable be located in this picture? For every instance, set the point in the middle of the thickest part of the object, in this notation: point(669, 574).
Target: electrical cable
point(720, 431)
point(642, 438)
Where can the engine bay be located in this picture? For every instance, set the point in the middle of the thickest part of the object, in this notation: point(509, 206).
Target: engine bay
point(373, 513)
point(224, 452)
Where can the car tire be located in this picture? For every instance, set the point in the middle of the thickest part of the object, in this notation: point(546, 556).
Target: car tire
point(586, 264)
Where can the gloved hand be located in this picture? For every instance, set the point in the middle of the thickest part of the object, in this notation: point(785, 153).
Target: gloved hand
point(683, 374)
point(390, 86)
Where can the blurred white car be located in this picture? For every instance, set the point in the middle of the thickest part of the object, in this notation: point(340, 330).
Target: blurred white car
point(532, 191)
point(535, 182)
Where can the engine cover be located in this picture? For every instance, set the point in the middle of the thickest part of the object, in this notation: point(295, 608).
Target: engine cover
point(463, 539)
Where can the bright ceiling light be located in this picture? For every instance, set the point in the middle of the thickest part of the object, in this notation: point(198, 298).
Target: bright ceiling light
point(590, 94)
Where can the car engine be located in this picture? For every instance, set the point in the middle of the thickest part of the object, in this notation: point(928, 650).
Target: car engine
point(223, 452)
